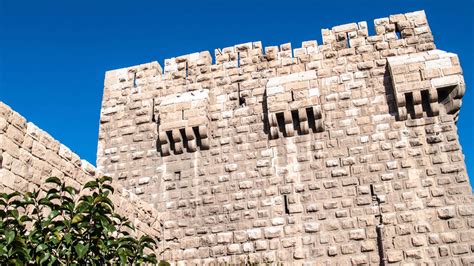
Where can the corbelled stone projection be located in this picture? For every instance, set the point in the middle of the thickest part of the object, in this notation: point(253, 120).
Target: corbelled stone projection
point(339, 153)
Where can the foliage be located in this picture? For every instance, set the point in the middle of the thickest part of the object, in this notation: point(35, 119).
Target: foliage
point(62, 227)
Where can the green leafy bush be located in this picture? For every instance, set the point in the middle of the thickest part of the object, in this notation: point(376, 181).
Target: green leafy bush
point(60, 227)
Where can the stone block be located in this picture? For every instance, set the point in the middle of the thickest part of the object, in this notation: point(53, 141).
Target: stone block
point(272, 232)
point(394, 256)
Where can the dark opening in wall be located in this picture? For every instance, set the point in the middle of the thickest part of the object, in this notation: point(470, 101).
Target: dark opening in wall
point(398, 30)
point(444, 92)
point(266, 122)
point(184, 138)
point(292, 96)
point(296, 120)
point(153, 119)
point(187, 71)
point(280, 122)
point(379, 227)
point(409, 104)
point(372, 192)
point(238, 59)
point(1, 161)
point(348, 40)
point(425, 102)
point(169, 135)
point(241, 98)
point(311, 119)
point(285, 202)
point(135, 79)
point(177, 175)
point(399, 34)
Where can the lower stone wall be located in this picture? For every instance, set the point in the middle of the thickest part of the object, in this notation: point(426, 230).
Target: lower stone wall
point(29, 155)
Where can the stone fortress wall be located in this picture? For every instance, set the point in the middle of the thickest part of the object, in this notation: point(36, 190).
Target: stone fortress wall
point(29, 155)
point(339, 153)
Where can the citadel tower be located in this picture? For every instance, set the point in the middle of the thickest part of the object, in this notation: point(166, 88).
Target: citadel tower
point(344, 152)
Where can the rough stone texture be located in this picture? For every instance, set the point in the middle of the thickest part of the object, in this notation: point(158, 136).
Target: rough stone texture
point(432, 78)
point(298, 155)
point(28, 156)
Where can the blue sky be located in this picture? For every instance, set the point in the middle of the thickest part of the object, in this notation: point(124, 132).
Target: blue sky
point(53, 54)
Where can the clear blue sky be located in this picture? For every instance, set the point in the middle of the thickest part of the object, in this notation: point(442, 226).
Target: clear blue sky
point(53, 54)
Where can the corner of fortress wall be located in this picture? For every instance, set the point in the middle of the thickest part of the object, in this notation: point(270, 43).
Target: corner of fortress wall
point(344, 152)
point(29, 155)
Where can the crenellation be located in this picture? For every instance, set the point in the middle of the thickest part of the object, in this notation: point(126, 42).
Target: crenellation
point(342, 39)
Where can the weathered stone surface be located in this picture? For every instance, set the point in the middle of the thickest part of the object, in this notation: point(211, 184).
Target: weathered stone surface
point(284, 155)
point(312, 155)
point(28, 156)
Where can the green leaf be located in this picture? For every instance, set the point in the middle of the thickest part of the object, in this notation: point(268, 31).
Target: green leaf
point(9, 236)
point(52, 261)
point(106, 200)
point(41, 247)
point(77, 218)
point(163, 263)
point(72, 191)
point(67, 206)
point(13, 213)
point(68, 238)
point(52, 196)
point(122, 256)
point(44, 201)
point(53, 214)
point(109, 187)
point(104, 179)
point(146, 239)
point(81, 250)
point(44, 257)
point(53, 180)
point(83, 205)
point(12, 195)
point(3, 250)
point(129, 225)
point(15, 262)
point(52, 191)
point(25, 218)
point(91, 184)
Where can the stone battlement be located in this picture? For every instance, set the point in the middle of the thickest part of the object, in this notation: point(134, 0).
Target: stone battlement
point(397, 31)
point(340, 153)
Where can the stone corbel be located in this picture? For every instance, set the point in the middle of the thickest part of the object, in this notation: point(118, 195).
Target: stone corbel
point(426, 84)
point(184, 126)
